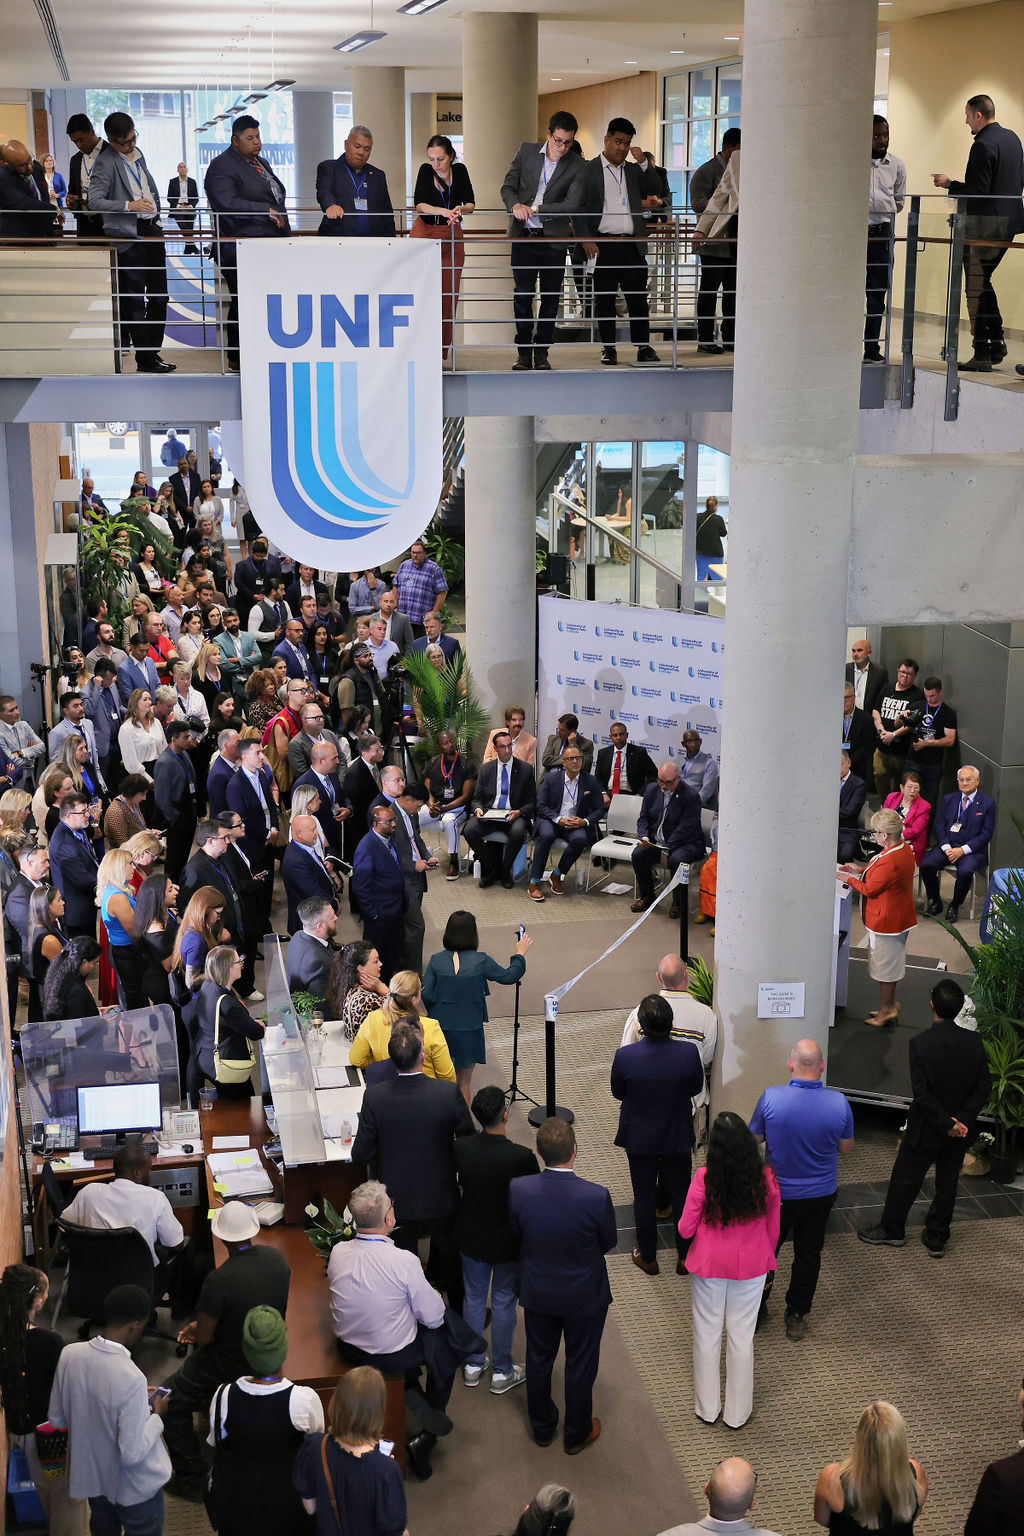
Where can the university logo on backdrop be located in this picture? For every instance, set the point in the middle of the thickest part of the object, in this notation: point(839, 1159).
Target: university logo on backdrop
point(340, 349)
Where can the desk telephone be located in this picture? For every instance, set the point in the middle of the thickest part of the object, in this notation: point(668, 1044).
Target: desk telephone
point(49, 1136)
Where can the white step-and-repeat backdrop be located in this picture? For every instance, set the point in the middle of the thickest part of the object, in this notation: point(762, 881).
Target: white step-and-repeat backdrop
point(658, 672)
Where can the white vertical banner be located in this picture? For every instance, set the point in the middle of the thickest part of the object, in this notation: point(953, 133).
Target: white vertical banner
point(340, 349)
point(658, 672)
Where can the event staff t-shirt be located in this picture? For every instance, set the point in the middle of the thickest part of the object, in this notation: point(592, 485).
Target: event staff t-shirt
point(892, 704)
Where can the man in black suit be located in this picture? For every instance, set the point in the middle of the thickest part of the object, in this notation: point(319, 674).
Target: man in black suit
point(852, 794)
point(569, 806)
point(174, 792)
point(89, 146)
point(407, 800)
point(505, 785)
point(185, 487)
point(997, 1506)
point(303, 869)
point(352, 193)
point(250, 886)
point(322, 776)
point(540, 193)
point(623, 768)
point(949, 1077)
point(245, 198)
point(565, 1226)
point(381, 891)
point(208, 866)
point(670, 833)
point(614, 192)
point(361, 786)
point(309, 950)
point(33, 871)
point(992, 185)
point(656, 1081)
point(25, 211)
point(182, 202)
point(251, 796)
point(306, 584)
point(859, 735)
point(869, 680)
point(486, 1164)
point(253, 575)
point(407, 1131)
point(73, 865)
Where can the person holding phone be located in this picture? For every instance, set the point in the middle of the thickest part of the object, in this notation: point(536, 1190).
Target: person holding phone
point(455, 984)
point(347, 1478)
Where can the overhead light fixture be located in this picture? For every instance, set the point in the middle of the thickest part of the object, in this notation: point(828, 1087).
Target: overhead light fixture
point(358, 40)
point(629, 61)
point(418, 7)
point(221, 117)
point(730, 39)
point(556, 79)
point(677, 50)
point(279, 85)
point(253, 97)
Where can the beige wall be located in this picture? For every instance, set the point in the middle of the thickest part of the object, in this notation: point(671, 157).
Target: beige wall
point(14, 122)
point(935, 64)
point(594, 106)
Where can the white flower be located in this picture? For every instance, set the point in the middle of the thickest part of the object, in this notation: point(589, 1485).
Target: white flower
point(311, 1210)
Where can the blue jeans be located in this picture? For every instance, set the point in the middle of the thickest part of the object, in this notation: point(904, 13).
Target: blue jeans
point(501, 1278)
point(145, 1519)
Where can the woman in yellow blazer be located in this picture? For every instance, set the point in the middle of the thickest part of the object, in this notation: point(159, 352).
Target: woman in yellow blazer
point(403, 1000)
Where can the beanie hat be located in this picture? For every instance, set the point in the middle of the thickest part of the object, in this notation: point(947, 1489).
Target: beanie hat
point(264, 1340)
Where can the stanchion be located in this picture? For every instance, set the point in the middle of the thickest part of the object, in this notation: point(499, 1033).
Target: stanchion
point(513, 1093)
point(550, 1109)
point(684, 917)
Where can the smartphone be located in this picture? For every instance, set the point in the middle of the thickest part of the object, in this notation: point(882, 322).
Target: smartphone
point(386, 1446)
point(520, 933)
point(157, 1392)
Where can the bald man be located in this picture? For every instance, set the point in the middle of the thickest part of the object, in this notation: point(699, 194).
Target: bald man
point(691, 1021)
point(730, 1494)
point(304, 871)
point(25, 211)
point(804, 1126)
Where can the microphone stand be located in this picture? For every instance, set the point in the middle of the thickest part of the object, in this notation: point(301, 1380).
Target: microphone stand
point(513, 1093)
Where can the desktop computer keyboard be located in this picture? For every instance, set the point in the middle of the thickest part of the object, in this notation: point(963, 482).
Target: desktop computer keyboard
point(106, 1149)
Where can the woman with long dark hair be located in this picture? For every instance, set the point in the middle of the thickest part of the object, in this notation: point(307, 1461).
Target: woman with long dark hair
point(879, 1488)
point(46, 939)
point(732, 1214)
point(455, 985)
point(66, 992)
point(355, 988)
point(155, 930)
point(28, 1364)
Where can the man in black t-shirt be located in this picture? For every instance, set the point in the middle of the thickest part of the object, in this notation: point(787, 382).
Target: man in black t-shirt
point(896, 715)
point(252, 1275)
point(930, 742)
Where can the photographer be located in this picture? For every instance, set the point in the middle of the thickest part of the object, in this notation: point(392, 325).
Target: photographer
point(897, 714)
point(931, 739)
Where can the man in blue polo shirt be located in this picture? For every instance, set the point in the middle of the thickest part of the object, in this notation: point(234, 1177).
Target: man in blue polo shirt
point(804, 1125)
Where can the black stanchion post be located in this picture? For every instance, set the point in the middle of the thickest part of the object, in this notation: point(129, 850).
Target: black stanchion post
point(539, 1115)
point(683, 891)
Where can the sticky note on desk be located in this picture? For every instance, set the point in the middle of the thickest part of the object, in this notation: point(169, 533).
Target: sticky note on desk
point(220, 1188)
point(229, 1143)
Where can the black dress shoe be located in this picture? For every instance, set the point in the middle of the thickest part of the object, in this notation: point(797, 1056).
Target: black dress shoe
point(609, 357)
point(710, 346)
point(486, 881)
point(647, 355)
point(976, 364)
point(998, 351)
point(523, 363)
point(540, 363)
point(1020, 369)
point(508, 882)
point(872, 354)
point(418, 1452)
point(952, 912)
point(543, 1440)
point(156, 366)
point(934, 908)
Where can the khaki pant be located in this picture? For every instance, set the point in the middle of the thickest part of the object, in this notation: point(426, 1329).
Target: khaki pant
point(65, 1516)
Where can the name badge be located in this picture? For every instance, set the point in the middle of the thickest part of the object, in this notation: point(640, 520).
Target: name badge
point(449, 792)
point(956, 826)
point(360, 204)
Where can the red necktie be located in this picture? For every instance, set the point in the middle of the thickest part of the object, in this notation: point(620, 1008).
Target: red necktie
point(617, 775)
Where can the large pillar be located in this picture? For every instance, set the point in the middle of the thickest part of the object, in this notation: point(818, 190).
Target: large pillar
point(313, 129)
point(28, 468)
point(799, 342)
point(501, 565)
point(378, 103)
point(422, 126)
point(499, 111)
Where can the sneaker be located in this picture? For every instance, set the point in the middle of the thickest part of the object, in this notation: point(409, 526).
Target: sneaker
point(515, 1378)
point(255, 997)
point(934, 1249)
point(796, 1325)
point(609, 357)
point(471, 1373)
point(647, 355)
point(880, 1238)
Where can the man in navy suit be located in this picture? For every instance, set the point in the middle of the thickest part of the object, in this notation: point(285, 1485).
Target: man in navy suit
point(322, 776)
point(294, 654)
point(25, 211)
point(223, 768)
point(669, 831)
point(247, 199)
point(504, 784)
point(407, 800)
point(570, 806)
point(565, 1226)
point(434, 635)
point(656, 1081)
point(73, 865)
point(963, 831)
point(251, 796)
point(138, 670)
point(303, 870)
point(353, 193)
point(174, 793)
point(852, 794)
point(380, 890)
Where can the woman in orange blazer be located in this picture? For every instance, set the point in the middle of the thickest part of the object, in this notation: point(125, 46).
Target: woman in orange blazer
point(887, 885)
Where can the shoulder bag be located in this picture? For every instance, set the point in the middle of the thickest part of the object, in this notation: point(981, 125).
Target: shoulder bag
point(229, 1071)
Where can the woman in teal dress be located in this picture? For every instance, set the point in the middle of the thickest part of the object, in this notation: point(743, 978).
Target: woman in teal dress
point(455, 992)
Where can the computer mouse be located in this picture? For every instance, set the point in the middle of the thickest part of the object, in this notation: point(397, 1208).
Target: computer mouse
point(187, 1147)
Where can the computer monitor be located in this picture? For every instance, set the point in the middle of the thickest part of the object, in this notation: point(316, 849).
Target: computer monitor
point(114, 1109)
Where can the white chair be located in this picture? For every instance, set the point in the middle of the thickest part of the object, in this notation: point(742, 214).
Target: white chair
point(980, 876)
point(620, 838)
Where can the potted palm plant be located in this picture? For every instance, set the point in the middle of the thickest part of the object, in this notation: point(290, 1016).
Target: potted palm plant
point(1004, 1047)
point(444, 700)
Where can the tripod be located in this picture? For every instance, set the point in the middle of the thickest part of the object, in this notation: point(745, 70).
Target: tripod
point(513, 1093)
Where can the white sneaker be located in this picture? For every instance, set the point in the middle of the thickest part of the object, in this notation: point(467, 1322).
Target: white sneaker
point(515, 1378)
point(471, 1373)
point(255, 997)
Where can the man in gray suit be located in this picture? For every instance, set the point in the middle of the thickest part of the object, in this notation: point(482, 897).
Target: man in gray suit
point(614, 195)
point(398, 627)
point(124, 193)
point(309, 950)
point(717, 257)
point(540, 192)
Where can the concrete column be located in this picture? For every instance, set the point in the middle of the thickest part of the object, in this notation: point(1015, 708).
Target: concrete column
point(378, 103)
point(313, 127)
point(689, 582)
point(27, 472)
point(798, 361)
point(501, 568)
point(499, 111)
point(422, 126)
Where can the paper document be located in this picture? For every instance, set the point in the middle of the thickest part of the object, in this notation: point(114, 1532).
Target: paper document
point(222, 1143)
point(239, 1173)
point(331, 1077)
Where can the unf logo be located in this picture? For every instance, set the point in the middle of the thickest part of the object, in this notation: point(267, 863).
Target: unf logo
point(341, 394)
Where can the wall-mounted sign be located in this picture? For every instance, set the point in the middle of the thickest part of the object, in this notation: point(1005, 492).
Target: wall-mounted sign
point(780, 999)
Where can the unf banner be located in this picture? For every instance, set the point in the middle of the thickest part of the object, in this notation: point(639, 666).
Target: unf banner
point(340, 350)
point(658, 672)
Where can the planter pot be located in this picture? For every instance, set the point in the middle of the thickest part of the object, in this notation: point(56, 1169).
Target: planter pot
point(1002, 1167)
point(974, 1167)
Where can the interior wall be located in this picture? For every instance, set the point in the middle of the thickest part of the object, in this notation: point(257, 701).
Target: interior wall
point(935, 64)
point(593, 106)
point(10, 1188)
point(14, 123)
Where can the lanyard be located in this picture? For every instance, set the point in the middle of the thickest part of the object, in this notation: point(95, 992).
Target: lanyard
point(617, 176)
point(135, 175)
point(445, 191)
point(358, 187)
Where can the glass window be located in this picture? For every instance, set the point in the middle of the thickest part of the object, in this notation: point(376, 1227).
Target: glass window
point(274, 115)
point(157, 118)
point(729, 86)
point(702, 92)
point(342, 120)
point(108, 452)
point(612, 509)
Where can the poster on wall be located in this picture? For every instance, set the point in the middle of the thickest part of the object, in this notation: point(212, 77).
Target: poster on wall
point(658, 672)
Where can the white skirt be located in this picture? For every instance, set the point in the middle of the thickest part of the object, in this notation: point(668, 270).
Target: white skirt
point(887, 960)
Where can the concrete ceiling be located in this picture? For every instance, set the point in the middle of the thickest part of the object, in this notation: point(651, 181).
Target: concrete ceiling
point(149, 43)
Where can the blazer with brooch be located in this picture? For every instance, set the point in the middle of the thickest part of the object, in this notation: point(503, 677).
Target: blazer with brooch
point(245, 802)
point(334, 184)
point(949, 1079)
point(73, 866)
point(875, 684)
point(739, 1251)
point(309, 964)
point(638, 770)
point(976, 827)
point(374, 1034)
point(639, 184)
point(242, 198)
point(565, 1226)
point(407, 1129)
point(111, 188)
point(589, 800)
point(655, 1082)
point(887, 884)
point(23, 215)
point(561, 195)
point(682, 829)
point(331, 829)
point(461, 999)
point(304, 876)
point(522, 788)
point(377, 880)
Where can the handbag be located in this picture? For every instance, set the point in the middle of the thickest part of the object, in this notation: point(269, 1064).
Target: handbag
point(52, 1451)
point(330, 1485)
point(229, 1071)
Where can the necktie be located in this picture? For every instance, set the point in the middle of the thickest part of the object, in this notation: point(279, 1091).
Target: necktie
point(394, 854)
point(32, 183)
point(617, 775)
point(88, 844)
point(502, 802)
point(963, 805)
point(329, 788)
point(376, 774)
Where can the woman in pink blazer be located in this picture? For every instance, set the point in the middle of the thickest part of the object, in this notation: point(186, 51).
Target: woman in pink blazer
point(732, 1215)
point(913, 811)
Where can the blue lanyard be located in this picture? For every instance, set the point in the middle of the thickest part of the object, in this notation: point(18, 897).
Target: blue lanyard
point(445, 191)
point(132, 167)
point(357, 187)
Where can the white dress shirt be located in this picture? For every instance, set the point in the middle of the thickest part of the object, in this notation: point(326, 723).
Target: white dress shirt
point(123, 1203)
point(547, 170)
point(860, 683)
point(617, 219)
point(570, 797)
point(258, 785)
point(379, 1295)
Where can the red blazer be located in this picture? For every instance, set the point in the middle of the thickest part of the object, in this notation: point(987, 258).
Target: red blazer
point(915, 826)
point(888, 889)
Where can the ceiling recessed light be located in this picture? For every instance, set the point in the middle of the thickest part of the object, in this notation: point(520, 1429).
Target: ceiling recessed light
point(677, 50)
point(556, 79)
point(629, 61)
point(358, 40)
